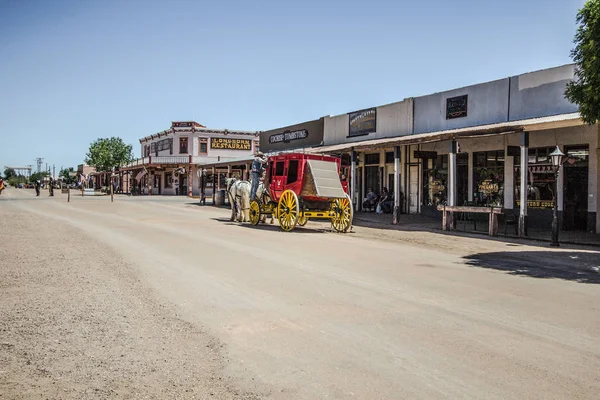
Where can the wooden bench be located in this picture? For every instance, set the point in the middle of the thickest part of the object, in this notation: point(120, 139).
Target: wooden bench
point(448, 220)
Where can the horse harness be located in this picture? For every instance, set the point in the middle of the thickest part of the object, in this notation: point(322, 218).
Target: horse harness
point(237, 196)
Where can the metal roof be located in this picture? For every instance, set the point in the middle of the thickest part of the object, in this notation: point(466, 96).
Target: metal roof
point(532, 124)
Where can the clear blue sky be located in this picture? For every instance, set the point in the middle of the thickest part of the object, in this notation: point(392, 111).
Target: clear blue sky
point(73, 71)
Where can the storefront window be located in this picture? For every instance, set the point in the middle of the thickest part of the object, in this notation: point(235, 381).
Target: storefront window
point(389, 157)
point(435, 180)
point(372, 159)
point(488, 178)
point(168, 179)
point(183, 145)
point(203, 146)
point(540, 188)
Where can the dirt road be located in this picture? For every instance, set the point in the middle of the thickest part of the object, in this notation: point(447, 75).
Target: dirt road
point(160, 298)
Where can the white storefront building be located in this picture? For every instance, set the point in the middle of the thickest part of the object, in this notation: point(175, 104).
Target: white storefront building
point(172, 158)
point(488, 122)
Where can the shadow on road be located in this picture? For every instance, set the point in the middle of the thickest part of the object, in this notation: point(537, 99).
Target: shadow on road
point(272, 227)
point(583, 267)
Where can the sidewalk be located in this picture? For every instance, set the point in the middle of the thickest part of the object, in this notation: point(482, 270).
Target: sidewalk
point(415, 222)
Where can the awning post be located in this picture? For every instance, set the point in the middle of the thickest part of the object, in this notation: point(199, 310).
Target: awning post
point(523, 189)
point(353, 177)
point(214, 189)
point(452, 179)
point(396, 184)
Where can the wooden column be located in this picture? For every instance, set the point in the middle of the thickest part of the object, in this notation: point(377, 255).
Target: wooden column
point(214, 179)
point(396, 184)
point(452, 192)
point(524, 178)
point(190, 172)
point(353, 157)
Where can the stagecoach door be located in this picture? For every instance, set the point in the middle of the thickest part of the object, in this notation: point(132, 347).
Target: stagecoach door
point(277, 178)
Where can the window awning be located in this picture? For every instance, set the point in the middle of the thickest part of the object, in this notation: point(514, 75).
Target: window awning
point(533, 124)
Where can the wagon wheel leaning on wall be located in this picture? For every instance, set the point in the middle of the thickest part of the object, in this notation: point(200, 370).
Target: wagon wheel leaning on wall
point(287, 210)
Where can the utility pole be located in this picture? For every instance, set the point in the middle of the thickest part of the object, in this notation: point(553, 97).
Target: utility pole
point(39, 164)
point(53, 172)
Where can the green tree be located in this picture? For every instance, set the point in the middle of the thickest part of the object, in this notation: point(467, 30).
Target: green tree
point(585, 88)
point(9, 173)
point(106, 154)
point(38, 176)
point(16, 179)
point(66, 176)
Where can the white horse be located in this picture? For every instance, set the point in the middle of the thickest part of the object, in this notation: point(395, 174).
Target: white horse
point(238, 193)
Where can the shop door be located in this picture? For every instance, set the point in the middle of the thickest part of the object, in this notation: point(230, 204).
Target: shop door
point(158, 183)
point(413, 189)
point(183, 185)
point(462, 178)
point(575, 188)
point(372, 180)
point(575, 198)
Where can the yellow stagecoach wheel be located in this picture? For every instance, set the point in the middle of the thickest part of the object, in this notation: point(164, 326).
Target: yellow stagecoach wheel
point(287, 210)
point(342, 221)
point(254, 212)
point(302, 220)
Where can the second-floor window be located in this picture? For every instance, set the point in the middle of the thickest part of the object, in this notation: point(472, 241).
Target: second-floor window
point(183, 145)
point(203, 146)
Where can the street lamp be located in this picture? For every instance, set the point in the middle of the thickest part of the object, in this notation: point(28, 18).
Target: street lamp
point(556, 156)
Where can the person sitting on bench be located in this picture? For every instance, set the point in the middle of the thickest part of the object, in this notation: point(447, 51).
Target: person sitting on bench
point(371, 200)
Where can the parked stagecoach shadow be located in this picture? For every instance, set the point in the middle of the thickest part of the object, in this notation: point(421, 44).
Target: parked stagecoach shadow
point(583, 267)
point(225, 220)
point(275, 227)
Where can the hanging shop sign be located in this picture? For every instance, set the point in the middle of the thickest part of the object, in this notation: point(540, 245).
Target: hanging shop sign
point(287, 136)
point(425, 154)
point(538, 203)
point(488, 187)
point(299, 136)
point(182, 124)
point(231, 144)
point(362, 122)
point(456, 107)
point(437, 186)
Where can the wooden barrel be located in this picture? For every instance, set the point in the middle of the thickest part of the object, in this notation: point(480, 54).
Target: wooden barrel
point(220, 198)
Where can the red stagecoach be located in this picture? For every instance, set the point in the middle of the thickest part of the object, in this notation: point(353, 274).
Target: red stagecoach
point(304, 186)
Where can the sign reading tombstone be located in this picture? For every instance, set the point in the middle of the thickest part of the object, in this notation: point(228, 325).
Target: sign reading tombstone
point(230, 144)
point(362, 122)
point(299, 136)
point(456, 107)
point(287, 136)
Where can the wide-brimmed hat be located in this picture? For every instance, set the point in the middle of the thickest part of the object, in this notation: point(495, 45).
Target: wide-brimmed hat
point(259, 153)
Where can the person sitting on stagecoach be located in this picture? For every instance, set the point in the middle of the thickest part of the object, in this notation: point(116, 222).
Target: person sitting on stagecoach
point(256, 172)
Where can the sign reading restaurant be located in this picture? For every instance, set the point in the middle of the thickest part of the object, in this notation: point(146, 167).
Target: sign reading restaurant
point(230, 144)
point(288, 136)
point(362, 122)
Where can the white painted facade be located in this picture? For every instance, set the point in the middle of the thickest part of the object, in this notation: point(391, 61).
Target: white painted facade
point(392, 120)
point(532, 95)
point(174, 156)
